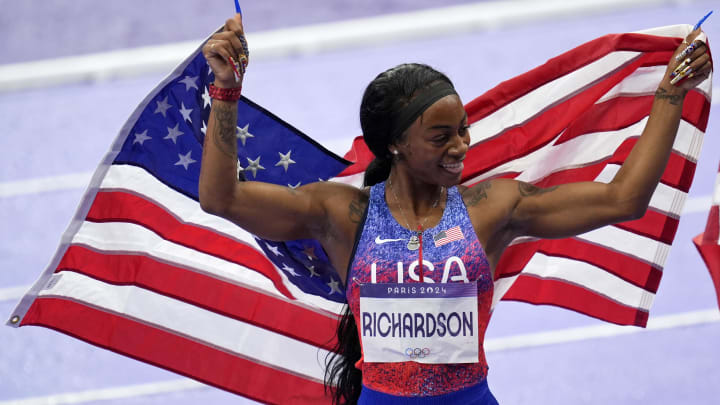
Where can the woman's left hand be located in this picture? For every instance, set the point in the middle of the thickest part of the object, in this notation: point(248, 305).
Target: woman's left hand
point(690, 64)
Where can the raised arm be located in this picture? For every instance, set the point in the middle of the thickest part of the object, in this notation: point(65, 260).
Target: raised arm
point(267, 210)
point(575, 208)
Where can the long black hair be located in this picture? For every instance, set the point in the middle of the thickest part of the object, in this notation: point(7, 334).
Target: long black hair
point(383, 100)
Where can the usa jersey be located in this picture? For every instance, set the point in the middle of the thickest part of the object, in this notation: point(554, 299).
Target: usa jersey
point(451, 254)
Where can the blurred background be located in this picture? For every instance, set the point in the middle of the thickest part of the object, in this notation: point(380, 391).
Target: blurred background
point(71, 72)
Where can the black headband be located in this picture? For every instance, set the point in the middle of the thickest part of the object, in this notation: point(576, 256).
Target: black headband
point(418, 105)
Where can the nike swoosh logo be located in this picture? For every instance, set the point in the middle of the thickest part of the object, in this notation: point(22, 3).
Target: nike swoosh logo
point(381, 241)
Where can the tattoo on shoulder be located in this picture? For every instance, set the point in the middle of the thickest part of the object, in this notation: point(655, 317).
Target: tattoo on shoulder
point(475, 194)
point(675, 99)
point(527, 189)
point(225, 121)
point(356, 210)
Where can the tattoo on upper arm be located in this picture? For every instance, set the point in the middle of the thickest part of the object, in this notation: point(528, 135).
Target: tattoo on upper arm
point(527, 189)
point(225, 120)
point(675, 99)
point(475, 194)
point(357, 210)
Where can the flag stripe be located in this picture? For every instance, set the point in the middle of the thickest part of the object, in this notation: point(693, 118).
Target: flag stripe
point(124, 207)
point(120, 237)
point(227, 298)
point(183, 319)
point(179, 354)
point(536, 290)
point(580, 151)
point(587, 61)
point(642, 275)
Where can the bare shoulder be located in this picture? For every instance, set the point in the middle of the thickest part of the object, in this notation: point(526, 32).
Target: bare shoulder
point(494, 191)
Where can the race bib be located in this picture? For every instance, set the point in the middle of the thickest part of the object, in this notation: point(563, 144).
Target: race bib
point(425, 323)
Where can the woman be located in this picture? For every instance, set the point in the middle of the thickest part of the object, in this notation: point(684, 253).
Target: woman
point(415, 124)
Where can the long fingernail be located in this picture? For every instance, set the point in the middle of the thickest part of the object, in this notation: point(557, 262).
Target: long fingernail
point(687, 71)
point(685, 52)
point(682, 66)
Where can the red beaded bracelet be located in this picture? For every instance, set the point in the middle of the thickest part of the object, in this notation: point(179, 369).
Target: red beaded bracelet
point(219, 93)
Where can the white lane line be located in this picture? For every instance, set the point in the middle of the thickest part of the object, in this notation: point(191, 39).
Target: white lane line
point(127, 391)
point(311, 39)
point(61, 182)
point(13, 293)
point(600, 331)
point(491, 345)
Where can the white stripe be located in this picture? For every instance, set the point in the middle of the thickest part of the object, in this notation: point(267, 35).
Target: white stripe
point(131, 238)
point(628, 243)
point(528, 340)
point(645, 80)
point(591, 277)
point(716, 194)
point(585, 150)
point(665, 199)
point(188, 320)
point(538, 100)
point(308, 39)
point(136, 180)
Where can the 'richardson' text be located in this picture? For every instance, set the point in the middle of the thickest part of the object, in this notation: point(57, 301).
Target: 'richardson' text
point(416, 324)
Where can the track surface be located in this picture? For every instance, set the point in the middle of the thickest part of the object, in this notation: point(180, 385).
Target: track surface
point(68, 129)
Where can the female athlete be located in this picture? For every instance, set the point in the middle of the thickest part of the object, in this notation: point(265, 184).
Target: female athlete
point(415, 124)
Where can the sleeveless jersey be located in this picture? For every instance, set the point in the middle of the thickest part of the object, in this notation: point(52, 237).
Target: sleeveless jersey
point(381, 256)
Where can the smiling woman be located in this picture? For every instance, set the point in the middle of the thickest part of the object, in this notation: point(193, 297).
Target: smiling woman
point(415, 124)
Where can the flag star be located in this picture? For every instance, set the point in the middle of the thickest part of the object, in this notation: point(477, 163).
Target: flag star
point(204, 129)
point(285, 160)
point(174, 133)
point(313, 273)
point(319, 179)
point(274, 249)
point(206, 97)
point(254, 166)
point(141, 137)
point(185, 112)
point(190, 82)
point(185, 160)
point(334, 286)
point(162, 107)
point(243, 134)
point(295, 186)
point(290, 270)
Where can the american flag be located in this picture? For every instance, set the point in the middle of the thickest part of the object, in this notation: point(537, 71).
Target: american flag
point(449, 235)
point(143, 271)
point(708, 242)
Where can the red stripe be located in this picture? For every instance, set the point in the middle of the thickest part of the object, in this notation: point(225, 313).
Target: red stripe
point(175, 353)
point(622, 112)
point(654, 225)
point(561, 65)
point(632, 270)
point(207, 292)
point(712, 228)
point(710, 252)
point(516, 142)
point(118, 206)
point(535, 290)
point(678, 173)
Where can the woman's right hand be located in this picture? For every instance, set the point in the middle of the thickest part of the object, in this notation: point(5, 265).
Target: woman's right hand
point(221, 48)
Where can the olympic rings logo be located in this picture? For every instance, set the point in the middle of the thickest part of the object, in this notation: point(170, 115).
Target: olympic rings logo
point(417, 353)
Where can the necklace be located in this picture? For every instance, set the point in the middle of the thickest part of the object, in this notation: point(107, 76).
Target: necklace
point(414, 242)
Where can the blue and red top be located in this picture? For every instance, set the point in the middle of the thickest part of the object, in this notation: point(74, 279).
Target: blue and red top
point(381, 256)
